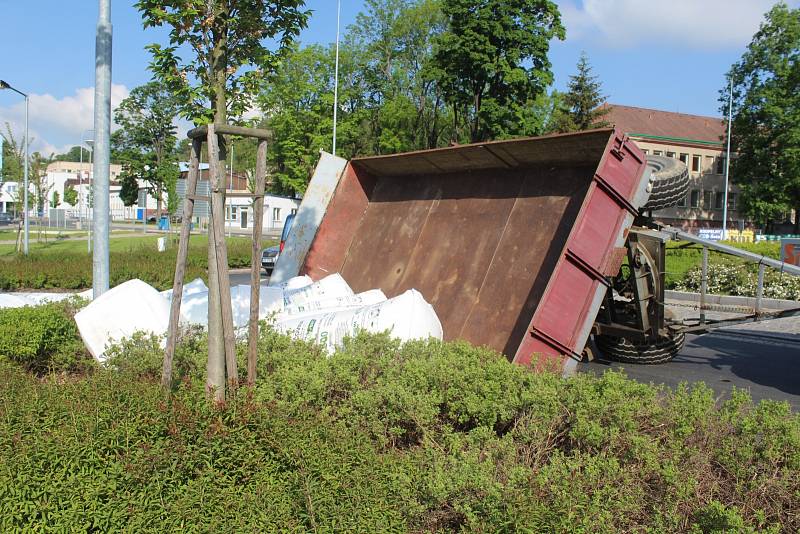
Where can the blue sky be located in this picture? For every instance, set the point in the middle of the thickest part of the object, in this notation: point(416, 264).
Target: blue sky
point(657, 54)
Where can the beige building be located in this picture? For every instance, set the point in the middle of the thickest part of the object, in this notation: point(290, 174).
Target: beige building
point(698, 142)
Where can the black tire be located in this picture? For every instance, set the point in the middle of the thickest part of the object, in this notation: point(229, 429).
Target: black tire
point(621, 350)
point(669, 182)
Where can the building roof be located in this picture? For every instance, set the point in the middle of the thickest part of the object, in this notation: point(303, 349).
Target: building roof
point(666, 125)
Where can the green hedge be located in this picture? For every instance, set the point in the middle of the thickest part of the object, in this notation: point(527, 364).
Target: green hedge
point(73, 270)
point(381, 437)
point(43, 338)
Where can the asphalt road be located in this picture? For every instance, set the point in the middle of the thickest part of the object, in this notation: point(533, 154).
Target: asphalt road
point(768, 366)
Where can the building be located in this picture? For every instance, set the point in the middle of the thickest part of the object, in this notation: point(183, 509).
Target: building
point(64, 174)
point(238, 210)
point(696, 140)
point(9, 198)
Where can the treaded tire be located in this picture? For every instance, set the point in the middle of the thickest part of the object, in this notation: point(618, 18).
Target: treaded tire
point(669, 182)
point(621, 350)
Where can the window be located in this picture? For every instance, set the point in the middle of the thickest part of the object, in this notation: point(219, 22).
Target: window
point(720, 165)
point(294, 211)
point(685, 159)
point(731, 201)
point(719, 199)
point(709, 164)
point(645, 151)
point(695, 163)
point(707, 199)
point(656, 152)
point(670, 154)
point(276, 214)
point(694, 198)
point(231, 213)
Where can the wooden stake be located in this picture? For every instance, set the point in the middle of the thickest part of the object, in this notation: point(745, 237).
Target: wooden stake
point(180, 264)
point(217, 178)
point(255, 267)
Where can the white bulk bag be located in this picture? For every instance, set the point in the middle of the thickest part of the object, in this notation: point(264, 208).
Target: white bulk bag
point(133, 306)
point(14, 301)
point(373, 296)
point(194, 307)
point(406, 317)
point(296, 282)
point(195, 286)
point(330, 287)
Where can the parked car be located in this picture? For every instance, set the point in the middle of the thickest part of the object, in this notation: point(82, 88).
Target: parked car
point(6, 218)
point(269, 256)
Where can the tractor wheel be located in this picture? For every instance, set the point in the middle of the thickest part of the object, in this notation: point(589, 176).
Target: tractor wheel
point(621, 350)
point(669, 182)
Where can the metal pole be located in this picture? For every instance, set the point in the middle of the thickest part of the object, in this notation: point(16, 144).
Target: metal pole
point(80, 188)
point(336, 75)
point(25, 194)
point(727, 166)
point(230, 206)
point(703, 285)
point(760, 287)
point(102, 146)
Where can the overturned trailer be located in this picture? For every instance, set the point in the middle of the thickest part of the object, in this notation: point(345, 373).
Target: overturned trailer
point(517, 244)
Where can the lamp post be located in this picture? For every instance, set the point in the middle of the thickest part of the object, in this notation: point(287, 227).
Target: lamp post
point(90, 207)
point(80, 177)
point(5, 85)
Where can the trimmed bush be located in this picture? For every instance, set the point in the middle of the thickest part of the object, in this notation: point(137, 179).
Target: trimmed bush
point(42, 338)
point(382, 437)
point(72, 270)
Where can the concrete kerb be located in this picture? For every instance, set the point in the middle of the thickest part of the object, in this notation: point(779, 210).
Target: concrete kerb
point(732, 300)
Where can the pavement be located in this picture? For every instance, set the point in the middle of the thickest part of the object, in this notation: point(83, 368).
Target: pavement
point(761, 357)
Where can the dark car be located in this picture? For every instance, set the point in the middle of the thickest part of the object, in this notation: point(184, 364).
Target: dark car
point(269, 256)
point(6, 218)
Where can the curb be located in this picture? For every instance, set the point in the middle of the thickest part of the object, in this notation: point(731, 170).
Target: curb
point(731, 300)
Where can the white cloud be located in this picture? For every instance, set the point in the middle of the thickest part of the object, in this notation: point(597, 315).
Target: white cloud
point(691, 24)
point(56, 124)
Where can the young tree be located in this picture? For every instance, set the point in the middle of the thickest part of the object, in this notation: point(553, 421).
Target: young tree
point(13, 157)
point(55, 200)
point(765, 132)
point(227, 43)
point(492, 61)
point(70, 195)
point(579, 108)
point(145, 142)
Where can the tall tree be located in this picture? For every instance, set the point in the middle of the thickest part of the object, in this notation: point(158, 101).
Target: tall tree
point(492, 61)
point(580, 107)
point(73, 154)
point(766, 117)
point(145, 144)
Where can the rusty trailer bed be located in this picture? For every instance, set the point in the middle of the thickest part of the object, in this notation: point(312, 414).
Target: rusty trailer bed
point(510, 241)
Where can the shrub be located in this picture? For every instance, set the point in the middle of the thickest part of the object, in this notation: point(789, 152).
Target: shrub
point(42, 338)
point(381, 436)
point(73, 270)
point(730, 278)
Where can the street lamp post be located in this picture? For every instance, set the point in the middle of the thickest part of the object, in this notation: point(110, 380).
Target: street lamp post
point(80, 177)
point(5, 85)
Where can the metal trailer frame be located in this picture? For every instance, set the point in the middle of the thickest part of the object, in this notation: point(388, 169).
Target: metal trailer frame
point(642, 318)
point(512, 242)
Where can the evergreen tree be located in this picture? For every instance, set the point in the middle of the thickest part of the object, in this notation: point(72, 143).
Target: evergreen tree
point(579, 107)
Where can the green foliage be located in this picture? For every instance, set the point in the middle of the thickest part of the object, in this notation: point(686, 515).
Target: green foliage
point(42, 338)
point(145, 144)
point(387, 437)
point(492, 61)
point(226, 40)
point(13, 156)
point(73, 270)
point(766, 116)
point(73, 155)
point(579, 107)
point(70, 195)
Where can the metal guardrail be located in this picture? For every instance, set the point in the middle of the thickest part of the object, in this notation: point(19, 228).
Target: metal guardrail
point(761, 260)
